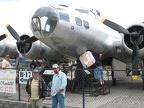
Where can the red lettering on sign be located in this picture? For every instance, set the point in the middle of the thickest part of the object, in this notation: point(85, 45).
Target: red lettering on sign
point(87, 60)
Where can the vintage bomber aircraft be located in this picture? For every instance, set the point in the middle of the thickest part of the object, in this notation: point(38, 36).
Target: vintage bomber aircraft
point(71, 32)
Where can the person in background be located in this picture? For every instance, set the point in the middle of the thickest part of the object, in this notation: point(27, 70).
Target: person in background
point(6, 63)
point(59, 83)
point(38, 64)
point(98, 74)
point(32, 65)
point(36, 89)
point(97, 66)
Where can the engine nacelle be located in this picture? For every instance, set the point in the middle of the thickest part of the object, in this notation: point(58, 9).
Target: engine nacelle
point(38, 50)
point(128, 44)
point(7, 46)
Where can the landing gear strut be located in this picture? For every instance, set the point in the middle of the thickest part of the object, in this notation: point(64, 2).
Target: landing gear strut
point(143, 81)
point(141, 64)
point(114, 82)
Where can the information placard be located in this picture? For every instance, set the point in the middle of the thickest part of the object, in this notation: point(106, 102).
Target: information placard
point(24, 76)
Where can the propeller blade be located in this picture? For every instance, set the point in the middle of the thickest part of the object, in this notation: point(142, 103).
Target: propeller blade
point(17, 63)
point(115, 26)
point(31, 39)
point(13, 32)
point(135, 59)
point(3, 36)
point(141, 32)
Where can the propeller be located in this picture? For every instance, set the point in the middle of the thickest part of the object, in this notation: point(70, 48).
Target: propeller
point(3, 36)
point(21, 43)
point(135, 38)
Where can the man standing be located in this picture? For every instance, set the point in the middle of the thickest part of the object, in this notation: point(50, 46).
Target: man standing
point(36, 89)
point(6, 63)
point(59, 83)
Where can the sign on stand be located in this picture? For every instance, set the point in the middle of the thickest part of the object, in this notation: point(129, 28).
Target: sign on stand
point(48, 72)
point(24, 76)
point(7, 81)
point(87, 59)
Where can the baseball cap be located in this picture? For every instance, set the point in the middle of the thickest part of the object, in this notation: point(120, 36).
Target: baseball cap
point(55, 66)
point(35, 70)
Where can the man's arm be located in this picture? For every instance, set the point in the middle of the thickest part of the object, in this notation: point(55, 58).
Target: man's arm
point(27, 87)
point(3, 64)
point(44, 88)
point(64, 82)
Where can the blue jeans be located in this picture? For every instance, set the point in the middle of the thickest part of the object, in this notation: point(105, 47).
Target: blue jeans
point(98, 72)
point(58, 98)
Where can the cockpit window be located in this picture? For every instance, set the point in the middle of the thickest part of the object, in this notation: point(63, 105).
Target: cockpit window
point(78, 21)
point(63, 14)
point(86, 24)
point(44, 24)
point(45, 20)
point(36, 23)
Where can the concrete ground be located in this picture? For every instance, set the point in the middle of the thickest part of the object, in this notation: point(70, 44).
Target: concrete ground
point(127, 94)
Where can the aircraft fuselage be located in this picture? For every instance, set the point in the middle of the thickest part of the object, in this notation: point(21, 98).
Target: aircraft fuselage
point(71, 33)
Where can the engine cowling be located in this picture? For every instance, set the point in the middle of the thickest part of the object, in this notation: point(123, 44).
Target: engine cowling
point(38, 50)
point(128, 44)
point(7, 46)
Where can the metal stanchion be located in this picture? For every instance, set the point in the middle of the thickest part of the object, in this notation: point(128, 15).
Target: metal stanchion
point(83, 90)
point(108, 81)
point(71, 79)
point(18, 85)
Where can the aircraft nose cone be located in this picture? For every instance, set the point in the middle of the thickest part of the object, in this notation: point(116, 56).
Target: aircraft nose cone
point(44, 21)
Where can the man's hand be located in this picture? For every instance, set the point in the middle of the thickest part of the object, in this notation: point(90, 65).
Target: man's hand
point(59, 91)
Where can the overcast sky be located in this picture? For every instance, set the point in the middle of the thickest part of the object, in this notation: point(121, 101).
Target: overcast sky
point(17, 12)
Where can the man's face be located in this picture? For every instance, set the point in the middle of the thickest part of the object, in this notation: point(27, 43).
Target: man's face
point(56, 70)
point(7, 57)
point(35, 74)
